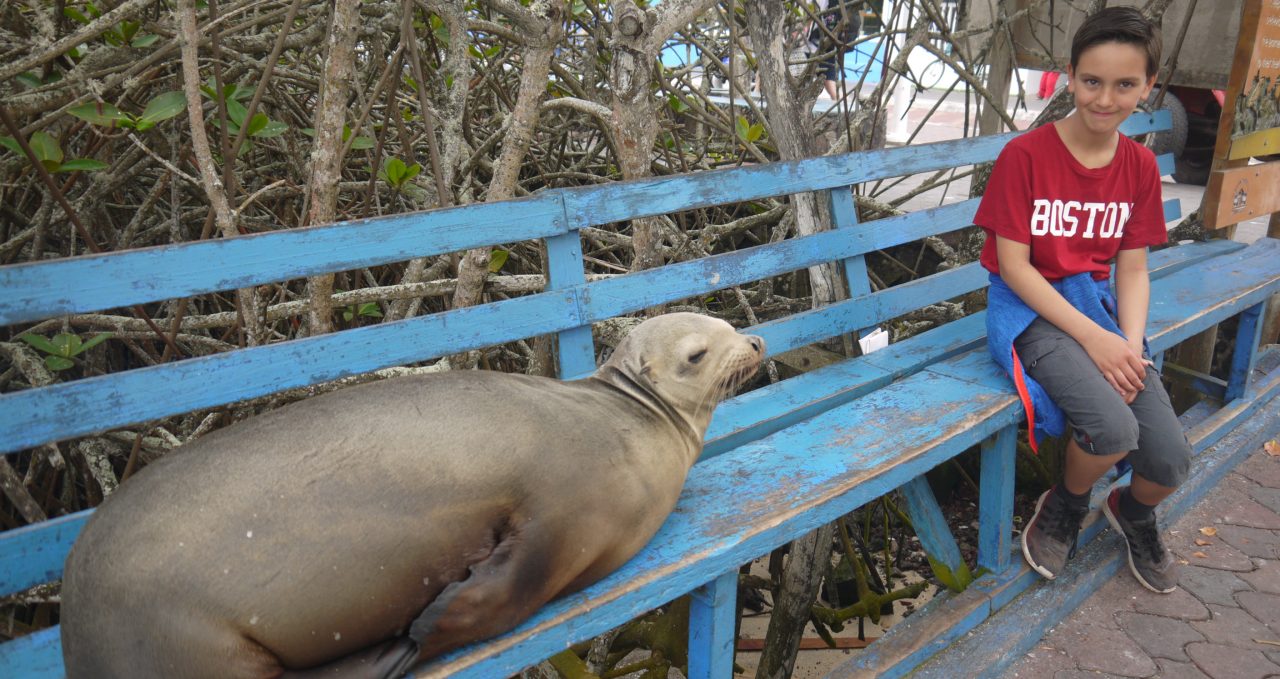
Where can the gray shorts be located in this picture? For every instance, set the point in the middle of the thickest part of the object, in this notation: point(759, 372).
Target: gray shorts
point(1103, 424)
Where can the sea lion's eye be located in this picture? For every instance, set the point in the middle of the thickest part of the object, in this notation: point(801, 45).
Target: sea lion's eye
point(694, 358)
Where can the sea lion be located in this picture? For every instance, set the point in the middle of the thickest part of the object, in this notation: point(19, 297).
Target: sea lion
point(359, 532)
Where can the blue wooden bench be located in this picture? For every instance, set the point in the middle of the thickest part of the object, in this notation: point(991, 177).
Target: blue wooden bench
point(779, 461)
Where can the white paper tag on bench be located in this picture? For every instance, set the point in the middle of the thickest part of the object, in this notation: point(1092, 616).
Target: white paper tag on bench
point(874, 341)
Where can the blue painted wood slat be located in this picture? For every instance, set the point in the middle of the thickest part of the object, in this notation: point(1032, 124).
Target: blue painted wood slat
point(712, 614)
point(931, 527)
point(995, 500)
point(1245, 355)
point(30, 292)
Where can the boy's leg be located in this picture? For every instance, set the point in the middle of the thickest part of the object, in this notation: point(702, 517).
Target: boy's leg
point(1160, 464)
point(1104, 432)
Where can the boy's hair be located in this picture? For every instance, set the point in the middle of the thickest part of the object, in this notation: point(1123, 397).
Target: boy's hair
point(1124, 25)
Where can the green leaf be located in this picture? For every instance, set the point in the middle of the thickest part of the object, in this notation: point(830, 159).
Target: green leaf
point(29, 80)
point(56, 363)
point(676, 104)
point(67, 344)
point(370, 310)
point(274, 128)
point(82, 165)
point(75, 15)
point(236, 112)
point(496, 259)
point(742, 127)
point(164, 106)
point(256, 125)
point(39, 343)
point(128, 29)
point(93, 10)
point(11, 144)
point(99, 113)
point(144, 41)
point(95, 341)
point(393, 170)
point(309, 131)
point(411, 172)
point(754, 132)
point(362, 143)
point(46, 149)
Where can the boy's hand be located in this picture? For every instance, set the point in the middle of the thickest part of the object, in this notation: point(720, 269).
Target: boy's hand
point(1122, 367)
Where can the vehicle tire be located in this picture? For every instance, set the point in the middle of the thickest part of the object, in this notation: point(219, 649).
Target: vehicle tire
point(1173, 140)
point(1193, 166)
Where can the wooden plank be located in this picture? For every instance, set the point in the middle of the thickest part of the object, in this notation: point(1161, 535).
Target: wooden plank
point(712, 614)
point(1239, 194)
point(620, 201)
point(931, 528)
point(1255, 64)
point(910, 642)
point(1255, 144)
point(70, 409)
point(995, 501)
point(30, 292)
point(33, 555)
point(564, 270)
point(624, 294)
point(1245, 353)
point(35, 656)
point(1188, 301)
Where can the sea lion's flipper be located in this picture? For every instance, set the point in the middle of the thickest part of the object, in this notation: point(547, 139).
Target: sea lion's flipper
point(502, 590)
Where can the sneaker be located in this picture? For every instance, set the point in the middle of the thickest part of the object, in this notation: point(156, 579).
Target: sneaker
point(1050, 537)
point(1150, 562)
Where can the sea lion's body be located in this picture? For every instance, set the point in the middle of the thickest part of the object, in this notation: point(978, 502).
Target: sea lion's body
point(318, 533)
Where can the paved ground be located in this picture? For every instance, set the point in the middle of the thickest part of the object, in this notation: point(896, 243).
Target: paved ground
point(1224, 620)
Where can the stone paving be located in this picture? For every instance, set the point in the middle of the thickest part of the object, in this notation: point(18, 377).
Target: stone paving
point(1224, 620)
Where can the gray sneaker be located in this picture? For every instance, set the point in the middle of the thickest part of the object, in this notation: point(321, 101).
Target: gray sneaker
point(1150, 562)
point(1050, 537)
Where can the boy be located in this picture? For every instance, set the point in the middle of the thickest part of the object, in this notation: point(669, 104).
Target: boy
point(1062, 202)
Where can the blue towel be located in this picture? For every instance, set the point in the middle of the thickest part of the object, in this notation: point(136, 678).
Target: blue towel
point(1008, 316)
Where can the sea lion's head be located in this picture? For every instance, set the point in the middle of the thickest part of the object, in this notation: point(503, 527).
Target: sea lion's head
point(688, 361)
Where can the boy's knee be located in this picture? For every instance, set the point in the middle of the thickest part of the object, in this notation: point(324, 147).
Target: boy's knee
point(1117, 432)
point(1169, 470)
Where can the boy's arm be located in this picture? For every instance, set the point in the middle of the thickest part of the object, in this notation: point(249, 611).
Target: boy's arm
point(1116, 360)
point(1133, 295)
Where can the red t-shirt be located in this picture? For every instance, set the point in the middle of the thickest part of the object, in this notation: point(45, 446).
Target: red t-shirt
point(1074, 218)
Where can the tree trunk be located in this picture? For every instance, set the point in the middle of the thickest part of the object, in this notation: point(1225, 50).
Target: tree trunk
point(520, 126)
point(1000, 75)
point(810, 556)
point(638, 35)
point(791, 129)
point(326, 154)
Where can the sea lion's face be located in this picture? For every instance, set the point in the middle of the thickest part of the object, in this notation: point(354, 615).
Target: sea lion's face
point(690, 361)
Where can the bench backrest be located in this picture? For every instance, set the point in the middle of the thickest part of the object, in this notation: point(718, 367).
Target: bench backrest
point(34, 554)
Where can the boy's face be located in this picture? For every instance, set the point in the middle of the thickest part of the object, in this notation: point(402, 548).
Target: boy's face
point(1108, 83)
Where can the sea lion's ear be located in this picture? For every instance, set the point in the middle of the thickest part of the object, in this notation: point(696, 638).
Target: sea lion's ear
point(646, 368)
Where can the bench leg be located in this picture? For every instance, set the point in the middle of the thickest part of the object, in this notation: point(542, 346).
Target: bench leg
point(711, 628)
point(995, 500)
point(1245, 355)
point(934, 533)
